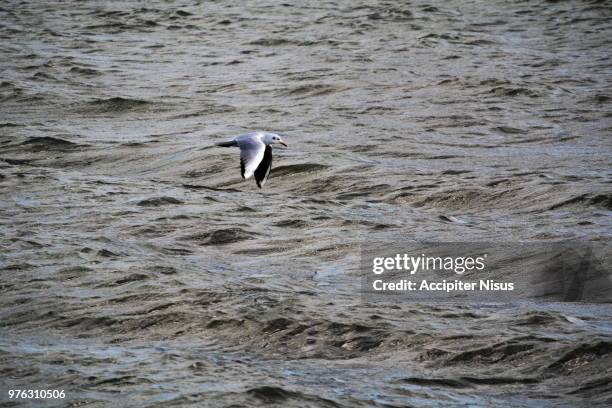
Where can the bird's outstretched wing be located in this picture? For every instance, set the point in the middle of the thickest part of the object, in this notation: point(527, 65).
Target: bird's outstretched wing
point(231, 143)
point(263, 170)
point(251, 154)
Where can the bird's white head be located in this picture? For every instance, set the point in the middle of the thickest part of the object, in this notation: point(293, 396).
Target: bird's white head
point(271, 138)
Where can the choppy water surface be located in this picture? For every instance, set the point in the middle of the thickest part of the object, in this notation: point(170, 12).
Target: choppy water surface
point(137, 265)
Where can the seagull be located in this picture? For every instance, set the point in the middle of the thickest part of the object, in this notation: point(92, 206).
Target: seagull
point(255, 154)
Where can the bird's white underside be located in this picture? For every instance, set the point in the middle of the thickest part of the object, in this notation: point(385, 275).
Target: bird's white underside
point(251, 152)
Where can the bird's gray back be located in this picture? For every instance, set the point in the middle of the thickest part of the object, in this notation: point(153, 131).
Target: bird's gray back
point(248, 140)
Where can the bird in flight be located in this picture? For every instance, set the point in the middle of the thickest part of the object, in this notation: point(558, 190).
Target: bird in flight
point(255, 154)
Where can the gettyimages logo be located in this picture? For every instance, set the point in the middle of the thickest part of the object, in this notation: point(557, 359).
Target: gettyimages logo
point(412, 264)
point(499, 272)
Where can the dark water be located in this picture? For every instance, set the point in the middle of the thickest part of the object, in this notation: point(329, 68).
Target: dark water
point(137, 266)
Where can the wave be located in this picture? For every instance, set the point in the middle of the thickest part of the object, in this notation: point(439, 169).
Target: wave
point(603, 201)
point(304, 91)
point(48, 143)
point(159, 201)
point(291, 169)
point(277, 395)
point(222, 236)
point(118, 105)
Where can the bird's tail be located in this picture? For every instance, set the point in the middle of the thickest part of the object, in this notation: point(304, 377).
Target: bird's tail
point(231, 143)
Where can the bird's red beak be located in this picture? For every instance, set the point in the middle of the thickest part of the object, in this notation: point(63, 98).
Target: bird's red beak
point(283, 143)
